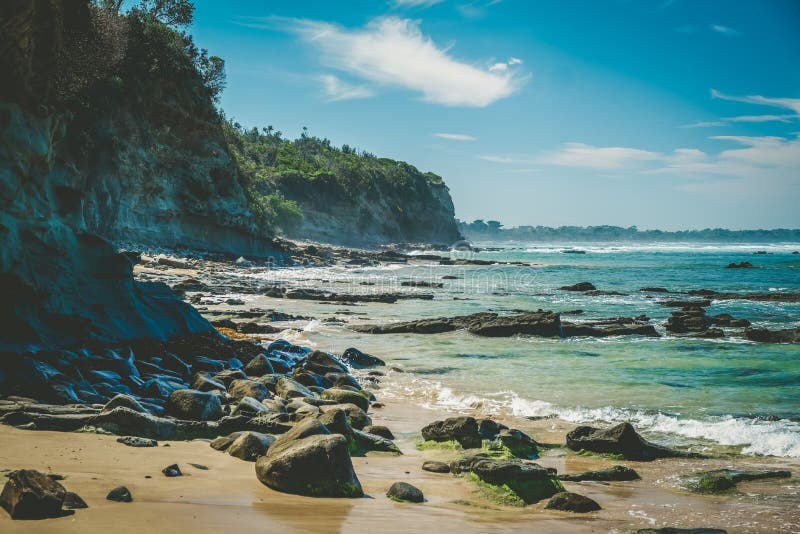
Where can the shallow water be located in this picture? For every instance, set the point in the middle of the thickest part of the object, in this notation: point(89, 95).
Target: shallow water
point(689, 391)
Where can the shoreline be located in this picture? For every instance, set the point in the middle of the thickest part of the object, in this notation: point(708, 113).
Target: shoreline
point(227, 495)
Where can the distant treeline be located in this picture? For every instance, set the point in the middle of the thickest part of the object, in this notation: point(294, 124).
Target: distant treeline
point(494, 230)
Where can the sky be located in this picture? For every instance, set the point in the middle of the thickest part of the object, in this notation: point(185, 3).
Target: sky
point(671, 114)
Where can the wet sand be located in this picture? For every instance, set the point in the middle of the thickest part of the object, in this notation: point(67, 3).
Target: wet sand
point(228, 497)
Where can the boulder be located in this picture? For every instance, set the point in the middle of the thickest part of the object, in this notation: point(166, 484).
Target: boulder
point(205, 382)
point(120, 494)
point(194, 405)
point(462, 429)
point(621, 439)
point(229, 375)
point(223, 442)
point(316, 466)
point(517, 442)
point(764, 335)
point(371, 443)
point(322, 363)
point(361, 360)
point(259, 366)
point(528, 481)
point(301, 430)
point(435, 467)
point(344, 396)
point(336, 422)
point(249, 446)
point(616, 473)
point(287, 388)
point(239, 389)
point(405, 492)
point(29, 494)
point(567, 501)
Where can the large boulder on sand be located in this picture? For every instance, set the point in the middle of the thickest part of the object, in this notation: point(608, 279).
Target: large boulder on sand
point(463, 429)
point(194, 405)
point(316, 466)
point(572, 502)
point(621, 439)
point(344, 396)
point(249, 446)
point(29, 494)
point(405, 492)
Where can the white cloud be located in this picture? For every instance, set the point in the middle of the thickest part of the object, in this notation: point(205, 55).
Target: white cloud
point(416, 3)
point(514, 61)
point(393, 52)
point(725, 30)
point(588, 156)
point(336, 89)
point(788, 103)
point(498, 159)
point(762, 118)
point(455, 136)
point(499, 67)
point(704, 124)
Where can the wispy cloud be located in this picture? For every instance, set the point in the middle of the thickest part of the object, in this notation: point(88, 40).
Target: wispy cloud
point(787, 103)
point(393, 52)
point(455, 136)
point(498, 159)
point(704, 124)
point(336, 89)
point(588, 156)
point(503, 66)
point(476, 9)
point(725, 30)
point(416, 3)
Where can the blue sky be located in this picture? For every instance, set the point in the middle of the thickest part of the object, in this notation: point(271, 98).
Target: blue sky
point(661, 114)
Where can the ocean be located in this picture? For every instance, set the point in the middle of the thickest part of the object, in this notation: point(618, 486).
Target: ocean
point(713, 394)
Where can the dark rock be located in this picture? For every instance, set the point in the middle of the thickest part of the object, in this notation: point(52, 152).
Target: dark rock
point(711, 333)
point(764, 335)
point(287, 388)
point(194, 405)
point(229, 375)
point(316, 466)
point(126, 401)
point(580, 286)
point(204, 382)
point(488, 429)
point(126, 422)
point(726, 319)
point(379, 430)
point(259, 366)
point(29, 494)
point(323, 363)
point(311, 379)
point(405, 492)
point(239, 389)
point(517, 442)
point(134, 441)
point(361, 360)
point(530, 482)
point(344, 396)
point(720, 480)
point(73, 501)
point(367, 442)
point(621, 439)
point(249, 446)
point(671, 530)
point(435, 467)
point(172, 471)
point(740, 265)
point(572, 502)
point(336, 422)
point(120, 494)
point(338, 380)
point(461, 429)
point(250, 406)
point(413, 283)
point(357, 417)
point(654, 290)
point(616, 473)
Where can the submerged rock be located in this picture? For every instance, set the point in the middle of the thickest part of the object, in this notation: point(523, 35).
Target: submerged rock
point(405, 492)
point(621, 439)
point(361, 360)
point(29, 494)
point(764, 335)
point(616, 473)
point(720, 480)
point(580, 286)
point(567, 501)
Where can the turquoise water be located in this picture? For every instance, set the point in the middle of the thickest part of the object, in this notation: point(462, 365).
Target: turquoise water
point(705, 392)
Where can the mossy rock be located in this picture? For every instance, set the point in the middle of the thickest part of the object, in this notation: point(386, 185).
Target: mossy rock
point(451, 445)
point(723, 480)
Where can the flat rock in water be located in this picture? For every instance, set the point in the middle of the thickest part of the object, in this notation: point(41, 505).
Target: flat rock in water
point(572, 502)
point(120, 494)
point(403, 491)
point(580, 286)
point(621, 439)
point(616, 473)
point(29, 494)
point(719, 480)
point(135, 441)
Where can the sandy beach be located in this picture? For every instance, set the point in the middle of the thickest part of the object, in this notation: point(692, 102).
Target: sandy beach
point(227, 496)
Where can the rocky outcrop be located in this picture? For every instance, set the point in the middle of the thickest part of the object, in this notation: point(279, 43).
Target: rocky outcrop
point(622, 440)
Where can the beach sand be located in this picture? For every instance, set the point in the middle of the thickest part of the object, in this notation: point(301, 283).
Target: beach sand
point(227, 497)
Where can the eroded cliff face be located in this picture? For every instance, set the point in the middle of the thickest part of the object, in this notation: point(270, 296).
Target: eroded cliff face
point(60, 283)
